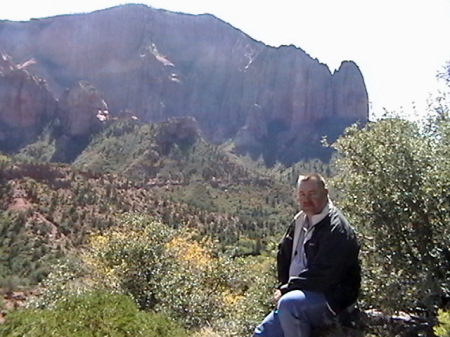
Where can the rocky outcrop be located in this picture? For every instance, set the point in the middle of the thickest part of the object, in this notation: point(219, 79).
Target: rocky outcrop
point(372, 322)
point(155, 64)
point(26, 104)
point(81, 113)
point(182, 131)
point(82, 110)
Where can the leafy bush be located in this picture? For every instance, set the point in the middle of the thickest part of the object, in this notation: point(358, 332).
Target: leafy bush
point(131, 258)
point(246, 309)
point(95, 313)
point(66, 279)
point(167, 270)
point(443, 328)
point(394, 180)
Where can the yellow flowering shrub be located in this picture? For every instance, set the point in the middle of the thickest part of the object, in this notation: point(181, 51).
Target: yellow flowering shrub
point(189, 252)
point(443, 328)
point(170, 271)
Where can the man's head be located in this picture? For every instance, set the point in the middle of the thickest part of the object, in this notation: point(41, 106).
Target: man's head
point(312, 193)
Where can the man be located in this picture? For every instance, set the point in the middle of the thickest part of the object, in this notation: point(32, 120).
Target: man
point(318, 267)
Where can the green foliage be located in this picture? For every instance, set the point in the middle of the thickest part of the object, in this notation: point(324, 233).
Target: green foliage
point(40, 151)
point(182, 167)
point(443, 328)
point(245, 312)
point(394, 181)
point(120, 147)
point(131, 257)
point(199, 196)
point(25, 259)
point(290, 174)
point(4, 162)
point(167, 270)
point(94, 313)
point(65, 279)
point(51, 208)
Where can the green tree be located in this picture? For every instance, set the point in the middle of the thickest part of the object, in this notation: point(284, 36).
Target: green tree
point(393, 178)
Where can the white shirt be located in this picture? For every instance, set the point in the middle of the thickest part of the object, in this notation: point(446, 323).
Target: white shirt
point(301, 235)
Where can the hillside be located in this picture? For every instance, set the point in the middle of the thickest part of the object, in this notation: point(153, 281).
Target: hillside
point(51, 209)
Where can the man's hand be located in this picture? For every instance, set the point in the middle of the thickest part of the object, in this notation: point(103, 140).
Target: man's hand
point(276, 296)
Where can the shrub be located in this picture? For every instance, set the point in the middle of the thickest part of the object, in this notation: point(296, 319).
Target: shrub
point(66, 278)
point(94, 313)
point(131, 258)
point(393, 178)
point(168, 271)
point(443, 328)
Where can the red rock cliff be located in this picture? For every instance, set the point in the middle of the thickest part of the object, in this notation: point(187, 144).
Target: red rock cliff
point(158, 64)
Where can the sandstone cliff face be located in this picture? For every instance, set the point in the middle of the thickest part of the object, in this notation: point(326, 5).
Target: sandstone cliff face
point(82, 110)
point(156, 64)
point(25, 104)
point(81, 113)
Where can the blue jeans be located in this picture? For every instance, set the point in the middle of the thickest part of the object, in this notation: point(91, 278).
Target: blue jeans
point(297, 312)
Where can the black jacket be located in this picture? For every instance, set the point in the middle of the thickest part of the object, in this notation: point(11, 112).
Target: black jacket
point(333, 266)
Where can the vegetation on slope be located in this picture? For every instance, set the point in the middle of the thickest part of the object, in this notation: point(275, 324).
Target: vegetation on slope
point(90, 314)
point(392, 177)
point(51, 208)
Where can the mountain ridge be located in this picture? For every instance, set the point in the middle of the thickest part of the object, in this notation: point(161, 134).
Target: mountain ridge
point(157, 64)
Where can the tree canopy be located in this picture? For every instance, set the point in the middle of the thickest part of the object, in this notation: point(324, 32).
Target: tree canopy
point(393, 180)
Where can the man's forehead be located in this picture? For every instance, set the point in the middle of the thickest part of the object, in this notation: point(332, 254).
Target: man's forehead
point(310, 184)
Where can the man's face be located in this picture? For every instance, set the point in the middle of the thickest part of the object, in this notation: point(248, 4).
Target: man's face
point(312, 198)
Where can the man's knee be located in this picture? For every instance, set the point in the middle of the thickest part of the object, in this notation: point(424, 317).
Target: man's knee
point(292, 303)
point(308, 307)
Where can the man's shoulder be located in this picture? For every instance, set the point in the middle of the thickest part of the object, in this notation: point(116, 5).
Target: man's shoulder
point(336, 214)
point(336, 220)
point(340, 225)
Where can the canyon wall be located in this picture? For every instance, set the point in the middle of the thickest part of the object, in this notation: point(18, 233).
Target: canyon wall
point(155, 64)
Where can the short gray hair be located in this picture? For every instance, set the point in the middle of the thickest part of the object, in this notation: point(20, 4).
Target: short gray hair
point(312, 176)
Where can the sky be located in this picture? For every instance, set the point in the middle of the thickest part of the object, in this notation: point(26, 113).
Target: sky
point(399, 45)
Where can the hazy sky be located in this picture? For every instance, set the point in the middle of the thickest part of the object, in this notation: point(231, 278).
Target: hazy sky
point(399, 45)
